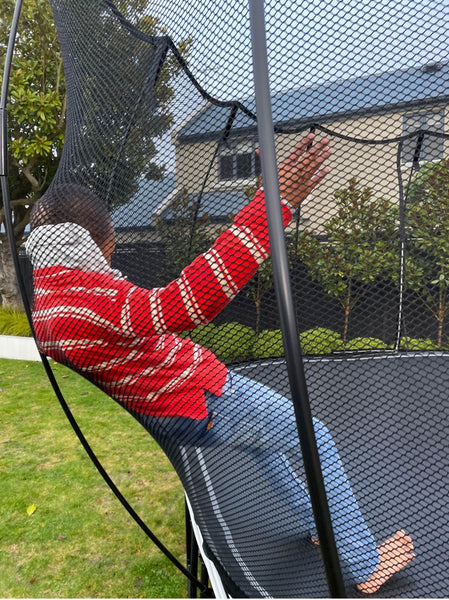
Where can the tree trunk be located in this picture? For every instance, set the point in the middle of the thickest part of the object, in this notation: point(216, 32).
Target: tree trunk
point(440, 315)
point(347, 310)
point(9, 288)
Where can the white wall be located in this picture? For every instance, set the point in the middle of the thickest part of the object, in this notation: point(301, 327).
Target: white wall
point(20, 348)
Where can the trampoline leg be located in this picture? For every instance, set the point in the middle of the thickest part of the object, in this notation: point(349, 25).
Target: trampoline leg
point(194, 561)
point(192, 556)
point(205, 581)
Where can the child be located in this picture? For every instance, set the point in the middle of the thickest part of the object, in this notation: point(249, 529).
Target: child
point(123, 338)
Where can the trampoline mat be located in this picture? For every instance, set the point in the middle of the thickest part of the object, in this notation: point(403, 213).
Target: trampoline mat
point(388, 416)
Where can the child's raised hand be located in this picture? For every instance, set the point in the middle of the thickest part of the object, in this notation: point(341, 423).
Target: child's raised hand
point(303, 169)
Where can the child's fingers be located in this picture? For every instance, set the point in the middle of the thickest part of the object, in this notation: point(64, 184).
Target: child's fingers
point(313, 161)
point(318, 176)
point(298, 151)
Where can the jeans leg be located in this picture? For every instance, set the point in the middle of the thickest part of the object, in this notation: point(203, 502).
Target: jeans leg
point(246, 415)
point(264, 420)
point(353, 538)
point(290, 488)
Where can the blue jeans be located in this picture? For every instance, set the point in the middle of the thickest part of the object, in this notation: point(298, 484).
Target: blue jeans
point(254, 417)
point(251, 414)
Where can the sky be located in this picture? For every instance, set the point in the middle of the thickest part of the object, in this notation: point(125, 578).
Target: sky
point(308, 42)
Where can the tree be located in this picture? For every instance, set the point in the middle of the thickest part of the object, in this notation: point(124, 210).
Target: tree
point(36, 122)
point(257, 286)
point(36, 116)
point(427, 224)
point(184, 236)
point(122, 83)
point(360, 246)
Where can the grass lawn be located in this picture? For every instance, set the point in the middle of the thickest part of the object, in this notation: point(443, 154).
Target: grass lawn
point(63, 534)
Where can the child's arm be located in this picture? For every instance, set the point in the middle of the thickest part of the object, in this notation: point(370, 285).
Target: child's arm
point(213, 279)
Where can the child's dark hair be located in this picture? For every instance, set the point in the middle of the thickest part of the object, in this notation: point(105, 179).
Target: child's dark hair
point(74, 204)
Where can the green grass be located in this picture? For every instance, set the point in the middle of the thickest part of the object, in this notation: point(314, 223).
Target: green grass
point(80, 542)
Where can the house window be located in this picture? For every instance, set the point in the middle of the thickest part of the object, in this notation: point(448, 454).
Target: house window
point(432, 147)
point(238, 161)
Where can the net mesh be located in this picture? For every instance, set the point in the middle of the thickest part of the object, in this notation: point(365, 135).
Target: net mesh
point(162, 136)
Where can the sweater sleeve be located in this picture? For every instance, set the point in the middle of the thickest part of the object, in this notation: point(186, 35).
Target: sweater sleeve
point(211, 281)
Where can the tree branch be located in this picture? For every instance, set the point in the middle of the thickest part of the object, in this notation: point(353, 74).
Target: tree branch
point(61, 123)
point(26, 170)
point(15, 204)
point(19, 228)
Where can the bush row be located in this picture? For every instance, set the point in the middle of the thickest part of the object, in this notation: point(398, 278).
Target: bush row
point(233, 342)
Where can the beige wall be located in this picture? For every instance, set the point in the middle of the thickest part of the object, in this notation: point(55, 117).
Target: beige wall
point(373, 165)
point(192, 164)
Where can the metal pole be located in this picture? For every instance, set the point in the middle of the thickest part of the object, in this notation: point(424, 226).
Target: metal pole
point(284, 297)
point(4, 156)
point(5, 85)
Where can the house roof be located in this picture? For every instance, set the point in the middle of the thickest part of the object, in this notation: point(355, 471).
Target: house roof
point(151, 201)
point(410, 88)
point(139, 211)
point(219, 206)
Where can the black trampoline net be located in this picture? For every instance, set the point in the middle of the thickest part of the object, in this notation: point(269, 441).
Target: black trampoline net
point(161, 165)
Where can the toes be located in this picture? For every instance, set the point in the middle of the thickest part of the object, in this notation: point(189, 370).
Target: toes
point(402, 540)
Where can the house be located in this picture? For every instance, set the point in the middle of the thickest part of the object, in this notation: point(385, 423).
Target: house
point(215, 148)
point(216, 161)
point(365, 116)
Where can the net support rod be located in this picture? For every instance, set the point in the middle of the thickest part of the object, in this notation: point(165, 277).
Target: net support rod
point(284, 297)
point(5, 85)
point(10, 232)
point(9, 226)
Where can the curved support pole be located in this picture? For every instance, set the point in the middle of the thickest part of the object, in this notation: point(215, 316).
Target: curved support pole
point(286, 309)
point(10, 232)
point(4, 156)
point(5, 86)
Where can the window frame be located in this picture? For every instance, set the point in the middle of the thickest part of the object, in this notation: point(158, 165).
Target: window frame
point(432, 154)
point(235, 148)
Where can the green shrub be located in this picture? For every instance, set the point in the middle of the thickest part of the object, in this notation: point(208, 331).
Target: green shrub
point(320, 340)
point(233, 342)
point(14, 322)
point(365, 343)
point(205, 335)
point(184, 334)
point(408, 343)
point(269, 344)
point(229, 342)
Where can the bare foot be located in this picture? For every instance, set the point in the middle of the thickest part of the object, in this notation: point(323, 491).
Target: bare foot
point(394, 554)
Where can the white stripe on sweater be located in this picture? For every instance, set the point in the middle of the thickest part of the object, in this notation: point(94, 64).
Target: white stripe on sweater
point(221, 273)
point(176, 382)
point(189, 300)
point(157, 315)
point(75, 312)
point(250, 241)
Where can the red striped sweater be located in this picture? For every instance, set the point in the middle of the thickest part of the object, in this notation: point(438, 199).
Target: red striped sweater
point(123, 337)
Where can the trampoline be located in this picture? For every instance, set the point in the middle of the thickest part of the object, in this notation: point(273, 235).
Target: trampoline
point(173, 114)
point(403, 440)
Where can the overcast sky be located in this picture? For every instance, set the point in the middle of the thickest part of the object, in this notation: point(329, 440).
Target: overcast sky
point(309, 42)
